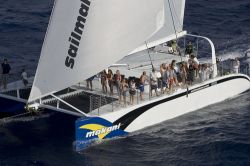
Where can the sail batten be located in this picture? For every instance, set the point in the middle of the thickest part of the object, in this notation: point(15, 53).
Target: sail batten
point(86, 36)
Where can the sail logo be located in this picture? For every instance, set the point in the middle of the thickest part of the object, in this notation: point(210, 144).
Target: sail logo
point(99, 130)
point(77, 33)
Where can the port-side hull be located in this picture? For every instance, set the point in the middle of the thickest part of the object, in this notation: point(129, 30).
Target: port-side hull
point(11, 106)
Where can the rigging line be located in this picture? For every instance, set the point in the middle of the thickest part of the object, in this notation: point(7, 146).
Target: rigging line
point(149, 55)
point(172, 17)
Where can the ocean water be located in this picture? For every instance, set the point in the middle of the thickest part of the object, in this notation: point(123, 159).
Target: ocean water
point(215, 135)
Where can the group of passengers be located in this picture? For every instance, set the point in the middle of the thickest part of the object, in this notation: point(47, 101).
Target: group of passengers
point(5, 74)
point(165, 81)
point(121, 84)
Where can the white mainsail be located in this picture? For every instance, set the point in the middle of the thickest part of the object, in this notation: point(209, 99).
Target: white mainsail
point(86, 36)
point(173, 25)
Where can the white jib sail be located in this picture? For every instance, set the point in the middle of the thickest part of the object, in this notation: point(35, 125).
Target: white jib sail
point(173, 25)
point(86, 36)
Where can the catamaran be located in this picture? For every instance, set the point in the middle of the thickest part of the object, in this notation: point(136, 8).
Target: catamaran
point(85, 37)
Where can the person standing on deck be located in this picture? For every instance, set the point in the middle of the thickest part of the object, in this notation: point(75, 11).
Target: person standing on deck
point(117, 80)
point(165, 79)
point(89, 82)
point(192, 66)
point(236, 65)
point(132, 91)
point(104, 81)
point(189, 49)
point(172, 78)
point(24, 77)
point(143, 79)
point(176, 70)
point(5, 73)
point(153, 82)
point(110, 81)
point(183, 75)
point(123, 91)
point(160, 80)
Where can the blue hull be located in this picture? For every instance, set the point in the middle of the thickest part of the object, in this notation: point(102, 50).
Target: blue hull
point(10, 107)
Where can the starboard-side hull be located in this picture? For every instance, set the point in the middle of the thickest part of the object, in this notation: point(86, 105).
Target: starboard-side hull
point(163, 108)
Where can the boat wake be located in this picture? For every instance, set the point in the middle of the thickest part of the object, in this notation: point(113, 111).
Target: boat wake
point(26, 117)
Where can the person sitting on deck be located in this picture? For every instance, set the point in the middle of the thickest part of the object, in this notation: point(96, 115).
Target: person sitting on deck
point(170, 48)
point(123, 91)
point(189, 49)
point(89, 82)
point(143, 79)
point(174, 47)
point(24, 77)
point(110, 81)
point(5, 73)
point(153, 82)
point(132, 91)
point(104, 81)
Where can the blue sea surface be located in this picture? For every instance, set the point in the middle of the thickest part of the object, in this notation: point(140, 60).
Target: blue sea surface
point(213, 136)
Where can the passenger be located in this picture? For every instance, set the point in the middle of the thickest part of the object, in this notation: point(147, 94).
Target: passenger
point(110, 81)
point(191, 69)
point(236, 65)
point(176, 70)
point(210, 71)
point(143, 79)
point(203, 72)
point(183, 74)
point(162, 70)
point(132, 91)
point(117, 80)
point(123, 91)
point(170, 48)
point(172, 78)
point(219, 66)
point(174, 47)
point(5, 73)
point(104, 81)
point(198, 63)
point(153, 82)
point(89, 82)
point(165, 78)
point(24, 77)
point(189, 49)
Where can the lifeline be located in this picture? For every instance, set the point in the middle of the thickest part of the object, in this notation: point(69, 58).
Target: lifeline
point(76, 35)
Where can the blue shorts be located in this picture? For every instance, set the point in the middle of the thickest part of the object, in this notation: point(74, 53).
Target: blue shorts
point(141, 88)
point(164, 84)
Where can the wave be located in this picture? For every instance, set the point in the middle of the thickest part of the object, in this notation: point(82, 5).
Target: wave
point(27, 117)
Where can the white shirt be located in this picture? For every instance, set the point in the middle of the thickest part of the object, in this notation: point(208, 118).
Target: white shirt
point(196, 60)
